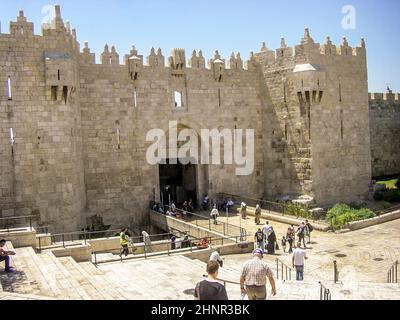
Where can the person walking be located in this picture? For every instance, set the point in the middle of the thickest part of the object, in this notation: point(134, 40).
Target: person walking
point(173, 242)
point(215, 256)
point(257, 213)
point(301, 233)
point(210, 289)
point(259, 239)
point(271, 241)
point(146, 241)
point(254, 277)
point(5, 256)
point(290, 235)
point(299, 255)
point(243, 210)
point(283, 242)
point(214, 214)
point(124, 241)
point(266, 230)
point(310, 229)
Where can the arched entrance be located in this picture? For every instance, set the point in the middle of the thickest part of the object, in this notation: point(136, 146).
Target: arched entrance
point(181, 181)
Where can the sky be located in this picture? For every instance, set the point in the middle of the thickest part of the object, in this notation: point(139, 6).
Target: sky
point(228, 25)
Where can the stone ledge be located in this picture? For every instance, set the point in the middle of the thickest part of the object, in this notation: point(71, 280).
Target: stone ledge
point(357, 225)
point(287, 219)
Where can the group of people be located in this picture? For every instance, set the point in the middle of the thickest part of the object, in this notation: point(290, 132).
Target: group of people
point(126, 242)
point(266, 239)
point(253, 278)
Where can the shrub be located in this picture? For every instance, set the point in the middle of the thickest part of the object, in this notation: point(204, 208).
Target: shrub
point(386, 205)
point(296, 210)
point(391, 195)
point(341, 214)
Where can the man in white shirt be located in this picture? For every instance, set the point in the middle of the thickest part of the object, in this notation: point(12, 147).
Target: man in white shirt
point(266, 230)
point(215, 256)
point(299, 255)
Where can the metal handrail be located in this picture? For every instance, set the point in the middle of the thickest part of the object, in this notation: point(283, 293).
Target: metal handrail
point(269, 205)
point(287, 275)
point(7, 219)
point(392, 273)
point(87, 235)
point(192, 243)
point(223, 280)
point(324, 293)
point(225, 226)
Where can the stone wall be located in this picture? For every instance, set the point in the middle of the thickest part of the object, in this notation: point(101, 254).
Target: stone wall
point(79, 128)
point(384, 116)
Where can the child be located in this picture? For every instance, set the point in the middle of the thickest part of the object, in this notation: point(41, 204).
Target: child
point(284, 244)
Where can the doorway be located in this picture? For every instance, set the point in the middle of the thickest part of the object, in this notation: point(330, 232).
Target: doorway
point(178, 183)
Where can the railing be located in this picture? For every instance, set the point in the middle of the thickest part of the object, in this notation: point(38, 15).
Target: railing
point(324, 293)
point(252, 202)
point(7, 220)
point(221, 227)
point(335, 272)
point(64, 238)
point(286, 271)
point(224, 281)
point(392, 273)
point(186, 245)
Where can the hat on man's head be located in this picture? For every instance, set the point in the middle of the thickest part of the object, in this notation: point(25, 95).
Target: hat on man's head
point(258, 251)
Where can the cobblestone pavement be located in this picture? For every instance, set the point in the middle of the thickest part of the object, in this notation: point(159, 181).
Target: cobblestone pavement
point(364, 255)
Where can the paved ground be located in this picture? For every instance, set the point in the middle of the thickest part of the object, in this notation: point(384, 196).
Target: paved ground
point(364, 255)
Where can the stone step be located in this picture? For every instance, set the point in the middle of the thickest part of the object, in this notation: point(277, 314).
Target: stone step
point(62, 279)
point(30, 273)
point(85, 281)
point(102, 281)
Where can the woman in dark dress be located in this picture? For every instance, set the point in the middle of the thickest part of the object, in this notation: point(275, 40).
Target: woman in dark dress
point(271, 242)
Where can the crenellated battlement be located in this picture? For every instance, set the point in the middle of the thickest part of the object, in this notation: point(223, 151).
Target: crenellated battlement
point(387, 96)
point(309, 48)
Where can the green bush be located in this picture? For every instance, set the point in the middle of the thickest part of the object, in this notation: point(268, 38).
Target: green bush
point(298, 211)
point(391, 195)
point(341, 214)
point(386, 205)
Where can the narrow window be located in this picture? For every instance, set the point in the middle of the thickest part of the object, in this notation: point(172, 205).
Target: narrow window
point(219, 97)
point(135, 98)
point(58, 75)
point(119, 139)
point(22, 31)
point(54, 91)
point(341, 124)
point(340, 92)
point(178, 99)
point(286, 131)
point(284, 93)
point(9, 90)
point(11, 136)
point(65, 94)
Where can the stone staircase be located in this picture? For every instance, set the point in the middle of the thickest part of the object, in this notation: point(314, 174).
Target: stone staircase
point(44, 276)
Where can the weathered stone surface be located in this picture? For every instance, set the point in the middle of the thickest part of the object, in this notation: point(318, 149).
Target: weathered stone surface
point(79, 128)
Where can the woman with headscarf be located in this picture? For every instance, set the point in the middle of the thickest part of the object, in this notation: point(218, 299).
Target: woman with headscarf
point(243, 210)
point(271, 241)
point(257, 214)
point(146, 241)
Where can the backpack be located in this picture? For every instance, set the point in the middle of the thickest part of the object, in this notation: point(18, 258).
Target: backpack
point(310, 228)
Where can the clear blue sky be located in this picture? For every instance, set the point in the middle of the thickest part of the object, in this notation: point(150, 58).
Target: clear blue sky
point(227, 25)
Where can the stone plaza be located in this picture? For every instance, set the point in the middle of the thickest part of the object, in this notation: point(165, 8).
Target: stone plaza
point(73, 145)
